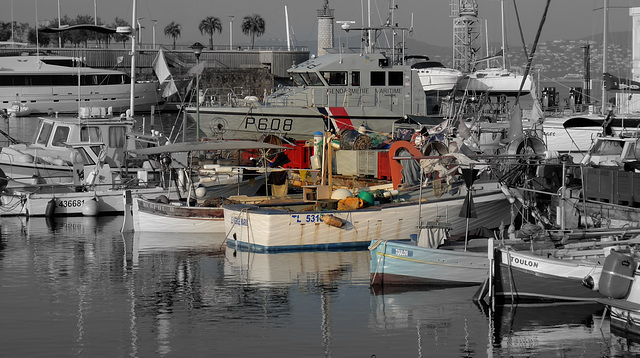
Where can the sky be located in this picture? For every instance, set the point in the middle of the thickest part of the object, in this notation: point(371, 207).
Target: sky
point(566, 19)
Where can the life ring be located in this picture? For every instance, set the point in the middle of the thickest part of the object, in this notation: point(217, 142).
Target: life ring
point(394, 164)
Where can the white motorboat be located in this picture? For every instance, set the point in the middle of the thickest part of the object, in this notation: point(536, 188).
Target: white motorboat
point(50, 84)
point(18, 109)
point(435, 77)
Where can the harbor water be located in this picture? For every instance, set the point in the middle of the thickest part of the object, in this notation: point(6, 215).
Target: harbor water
point(78, 287)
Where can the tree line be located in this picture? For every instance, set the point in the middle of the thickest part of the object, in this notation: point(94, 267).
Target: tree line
point(252, 26)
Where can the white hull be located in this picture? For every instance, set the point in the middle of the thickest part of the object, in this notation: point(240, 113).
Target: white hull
point(64, 99)
point(572, 140)
point(53, 86)
point(107, 202)
point(439, 79)
point(264, 229)
point(495, 82)
point(149, 216)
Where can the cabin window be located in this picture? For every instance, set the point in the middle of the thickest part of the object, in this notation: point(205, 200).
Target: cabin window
point(97, 149)
point(396, 78)
point(41, 80)
point(378, 78)
point(90, 134)
point(89, 80)
point(45, 132)
point(64, 80)
point(117, 137)
point(355, 78)
point(312, 79)
point(60, 136)
point(298, 80)
point(86, 159)
point(335, 78)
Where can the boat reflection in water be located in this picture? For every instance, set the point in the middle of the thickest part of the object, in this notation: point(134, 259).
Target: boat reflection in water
point(75, 286)
point(432, 323)
point(440, 319)
point(558, 329)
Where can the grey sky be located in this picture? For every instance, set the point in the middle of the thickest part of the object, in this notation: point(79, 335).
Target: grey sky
point(567, 19)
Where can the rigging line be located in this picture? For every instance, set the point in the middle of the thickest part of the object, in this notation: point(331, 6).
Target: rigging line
point(533, 50)
point(524, 45)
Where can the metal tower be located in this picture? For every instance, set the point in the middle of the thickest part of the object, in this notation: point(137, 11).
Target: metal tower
point(466, 34)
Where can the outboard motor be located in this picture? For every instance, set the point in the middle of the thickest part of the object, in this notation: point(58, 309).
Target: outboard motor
point(617, 275)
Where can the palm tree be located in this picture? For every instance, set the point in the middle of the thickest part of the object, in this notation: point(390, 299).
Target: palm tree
point(210, 25)
point(173, 30)
point(253, 26)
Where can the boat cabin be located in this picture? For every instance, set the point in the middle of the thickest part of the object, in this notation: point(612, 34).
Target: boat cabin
point(53, 135)
point(352, 80)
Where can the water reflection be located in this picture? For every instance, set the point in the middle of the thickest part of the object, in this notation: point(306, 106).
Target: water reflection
point(566, 329)
point(78, 287)
point(319, 273)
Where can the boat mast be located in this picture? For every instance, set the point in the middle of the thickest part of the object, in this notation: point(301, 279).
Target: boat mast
point(605, 29)
point(504, 47)
point(286, 18)
point(133, 58)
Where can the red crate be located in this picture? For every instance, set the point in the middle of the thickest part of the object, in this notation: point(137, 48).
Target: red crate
point(384, 169)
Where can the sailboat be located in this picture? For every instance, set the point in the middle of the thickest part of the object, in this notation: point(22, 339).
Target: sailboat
point(575, 134)
point(494, 80)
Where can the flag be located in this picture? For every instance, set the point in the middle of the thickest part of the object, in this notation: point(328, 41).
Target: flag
point(468, 209)
point(613, 83)
point(169, 88)
point(536, 110)
point(463, 130)
point(515, 125)
point(160, 67)
point(197, 69)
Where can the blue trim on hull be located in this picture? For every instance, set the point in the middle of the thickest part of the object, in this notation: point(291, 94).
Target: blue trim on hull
point(347, 246)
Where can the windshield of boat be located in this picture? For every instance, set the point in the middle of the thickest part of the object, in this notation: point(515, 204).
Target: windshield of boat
point(60, 136)
point(42, 137)
point(311, 79)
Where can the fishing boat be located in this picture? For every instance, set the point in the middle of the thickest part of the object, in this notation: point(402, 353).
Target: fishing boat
point(320, 223)
point(62, 146)
point(153, 213)
point(522, 276)
point(53, 84)
point(428, 260)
